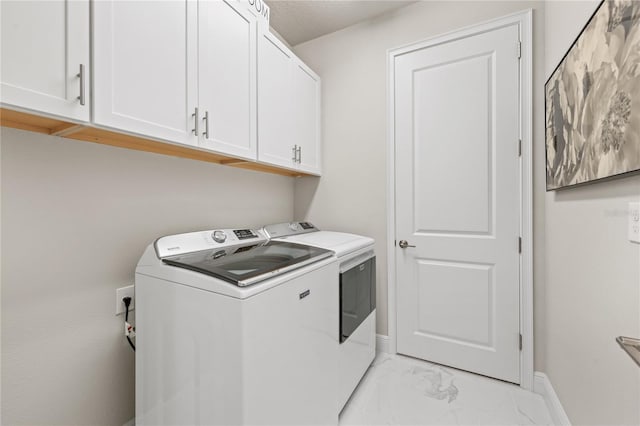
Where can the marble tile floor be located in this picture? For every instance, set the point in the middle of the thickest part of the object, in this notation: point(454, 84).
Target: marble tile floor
point(399, 390)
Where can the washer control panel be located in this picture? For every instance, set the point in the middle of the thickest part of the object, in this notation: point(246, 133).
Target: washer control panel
point(245, 234)
point(289, 228)
point(216, 238)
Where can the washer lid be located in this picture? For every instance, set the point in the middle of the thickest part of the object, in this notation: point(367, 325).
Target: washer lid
point(248, 264)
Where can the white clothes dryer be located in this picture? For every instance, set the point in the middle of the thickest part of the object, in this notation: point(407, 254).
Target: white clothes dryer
point(356, 280)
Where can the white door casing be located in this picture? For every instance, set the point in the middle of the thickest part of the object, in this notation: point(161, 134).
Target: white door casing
point(227, 78)
point(457, 179)
point(145, 62)
point(44, 44)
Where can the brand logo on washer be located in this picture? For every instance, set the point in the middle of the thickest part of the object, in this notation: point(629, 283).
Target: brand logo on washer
point(174, 248)
point(305, 294)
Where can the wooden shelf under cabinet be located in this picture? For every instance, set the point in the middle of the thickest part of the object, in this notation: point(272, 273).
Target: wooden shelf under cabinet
point(87, 133)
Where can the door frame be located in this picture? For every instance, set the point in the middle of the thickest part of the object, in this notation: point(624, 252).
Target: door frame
point(524, 21)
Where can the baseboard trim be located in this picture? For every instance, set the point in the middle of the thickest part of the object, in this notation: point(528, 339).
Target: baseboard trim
point(542, 386)
point(382, 344)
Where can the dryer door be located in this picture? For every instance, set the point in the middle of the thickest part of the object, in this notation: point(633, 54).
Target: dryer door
point(357, 293)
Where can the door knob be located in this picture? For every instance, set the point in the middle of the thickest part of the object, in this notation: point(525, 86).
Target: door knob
point(404, 244)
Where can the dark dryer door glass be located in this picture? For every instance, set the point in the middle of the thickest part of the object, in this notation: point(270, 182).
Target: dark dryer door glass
point(357, 296)
point(248, 264)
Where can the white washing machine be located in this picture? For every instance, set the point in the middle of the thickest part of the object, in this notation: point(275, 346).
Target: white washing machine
point(356, 279)
point(235, 329)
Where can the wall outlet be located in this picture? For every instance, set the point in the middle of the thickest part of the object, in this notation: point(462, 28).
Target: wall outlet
point(634, 222)
point(121, 293)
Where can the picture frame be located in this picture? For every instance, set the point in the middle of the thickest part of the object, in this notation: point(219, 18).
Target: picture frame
point(592, 101)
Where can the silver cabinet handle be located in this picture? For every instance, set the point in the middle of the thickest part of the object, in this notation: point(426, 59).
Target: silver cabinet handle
point(196, 116)
point(80, 75)
point(404, 244)
point(206, 125)
point(299, 154)
point(295, 153)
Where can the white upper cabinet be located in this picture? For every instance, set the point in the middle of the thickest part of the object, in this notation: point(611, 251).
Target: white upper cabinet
point(288, 108)
point(202, 73)
point(227, 78)
point(306, 118)
point(145, 76)
point(44, 46)
point(275, 138)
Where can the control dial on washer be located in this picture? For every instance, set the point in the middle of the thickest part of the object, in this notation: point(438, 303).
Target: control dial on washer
point(219, 236)
point(294, 226)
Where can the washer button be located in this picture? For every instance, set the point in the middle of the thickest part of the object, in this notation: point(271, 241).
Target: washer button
point(219, 236)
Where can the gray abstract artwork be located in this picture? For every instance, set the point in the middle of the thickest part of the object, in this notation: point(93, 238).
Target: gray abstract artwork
point(593, 100)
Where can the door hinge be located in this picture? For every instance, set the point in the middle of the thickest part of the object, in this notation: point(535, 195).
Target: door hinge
point(395, 243)
point(519, 147)
point(520, 341)
point(519, 244)
point(519, 49)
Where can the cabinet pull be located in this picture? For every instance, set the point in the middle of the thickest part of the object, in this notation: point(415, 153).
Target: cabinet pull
point(295, 153)
point(299, 154)
point(195, 115)
point(80, 75)
point(206, 125)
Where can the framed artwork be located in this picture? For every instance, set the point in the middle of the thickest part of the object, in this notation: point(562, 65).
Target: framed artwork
point(592, 100)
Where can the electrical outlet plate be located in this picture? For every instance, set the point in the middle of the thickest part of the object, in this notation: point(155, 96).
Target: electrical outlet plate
point(634, 222)
point(121, 293)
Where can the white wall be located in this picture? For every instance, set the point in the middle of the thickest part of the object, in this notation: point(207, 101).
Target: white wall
point(76, 216)
point(593, 275)
point(352, 63)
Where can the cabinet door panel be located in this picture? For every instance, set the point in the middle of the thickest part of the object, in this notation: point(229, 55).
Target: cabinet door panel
point(227, 78)
point(43, 45)
point(145, 67)
point(306, 118)
point(275, 141)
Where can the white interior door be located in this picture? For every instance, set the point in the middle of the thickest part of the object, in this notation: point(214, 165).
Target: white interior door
point(227, 78)
point(458, 201)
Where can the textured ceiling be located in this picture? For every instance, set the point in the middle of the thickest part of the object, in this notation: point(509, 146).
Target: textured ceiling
point(298, 21)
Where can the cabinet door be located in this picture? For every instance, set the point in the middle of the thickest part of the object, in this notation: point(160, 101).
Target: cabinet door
point(306, 118)
point(145, 57)
point(227, 78)
point(44, 43)
point(275, 88)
